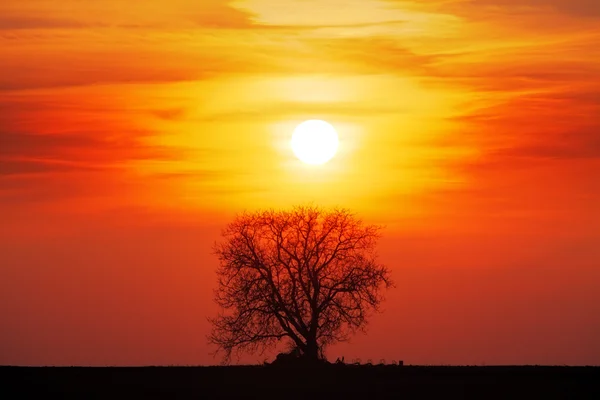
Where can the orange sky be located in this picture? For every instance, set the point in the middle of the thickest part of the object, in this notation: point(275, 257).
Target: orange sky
point(131, 132)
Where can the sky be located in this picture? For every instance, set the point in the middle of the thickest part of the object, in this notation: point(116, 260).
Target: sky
point(132, 132)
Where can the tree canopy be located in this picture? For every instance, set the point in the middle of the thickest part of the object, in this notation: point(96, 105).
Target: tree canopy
point(308, 276)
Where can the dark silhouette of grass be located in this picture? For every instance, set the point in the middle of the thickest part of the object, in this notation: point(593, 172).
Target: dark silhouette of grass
point(294, 382)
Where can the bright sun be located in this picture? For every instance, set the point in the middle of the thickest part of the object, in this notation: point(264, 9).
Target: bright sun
point(315, 142)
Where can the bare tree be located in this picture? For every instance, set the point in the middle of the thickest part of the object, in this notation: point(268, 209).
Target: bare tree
point(308, 276)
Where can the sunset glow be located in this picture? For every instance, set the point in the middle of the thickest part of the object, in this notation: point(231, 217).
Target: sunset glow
point(131, 132)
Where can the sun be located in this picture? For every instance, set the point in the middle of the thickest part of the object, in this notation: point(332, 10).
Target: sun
point(315, 142)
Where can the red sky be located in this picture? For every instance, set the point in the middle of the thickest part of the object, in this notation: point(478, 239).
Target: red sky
point(132, 132)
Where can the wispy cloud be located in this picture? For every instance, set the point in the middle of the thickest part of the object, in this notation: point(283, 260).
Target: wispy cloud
point(22, 22)
point(579, 8)
point(43, 14)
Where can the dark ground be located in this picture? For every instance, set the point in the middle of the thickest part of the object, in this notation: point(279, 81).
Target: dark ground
point(329, 382)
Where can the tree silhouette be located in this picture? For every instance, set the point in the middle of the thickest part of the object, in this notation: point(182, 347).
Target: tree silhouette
point(308, 276)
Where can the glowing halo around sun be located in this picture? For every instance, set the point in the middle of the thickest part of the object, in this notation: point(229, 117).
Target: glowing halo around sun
point(315, 142)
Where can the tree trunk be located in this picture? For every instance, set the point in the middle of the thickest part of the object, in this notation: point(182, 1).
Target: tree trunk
point(312, 351)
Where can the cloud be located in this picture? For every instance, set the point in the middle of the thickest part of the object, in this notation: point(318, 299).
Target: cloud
point(23, 22)
point(73, 14)
point(19, 166)
point(169, 114)
point(580, 144)
point(41, 145)
point(579, 8)
point(524, 131)
point(374, 54)
point(283, 108)
point(27, 153)
point(51, 68)
point(126, 56)
point(107, 42)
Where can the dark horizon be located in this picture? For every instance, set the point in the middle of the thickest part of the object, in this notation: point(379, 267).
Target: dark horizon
point(325, 382)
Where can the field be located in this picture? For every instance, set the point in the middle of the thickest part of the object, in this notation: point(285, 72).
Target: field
point(328, 382)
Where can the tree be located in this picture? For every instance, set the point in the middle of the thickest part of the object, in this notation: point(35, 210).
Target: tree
point(308, 276)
